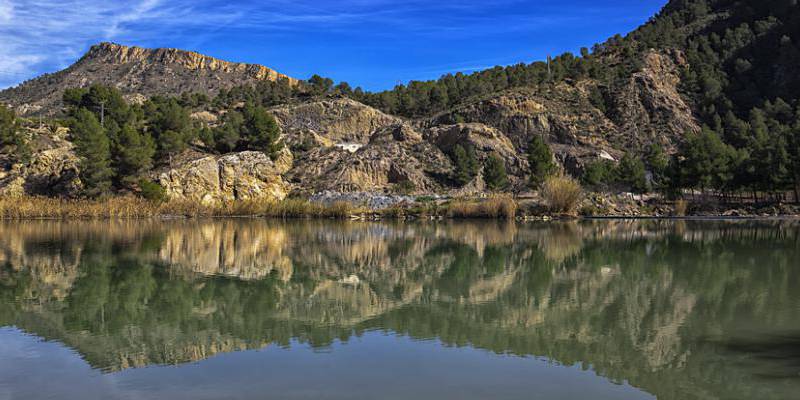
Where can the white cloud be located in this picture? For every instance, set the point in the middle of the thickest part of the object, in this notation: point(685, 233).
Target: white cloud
point(6, 11)
point(39, 36)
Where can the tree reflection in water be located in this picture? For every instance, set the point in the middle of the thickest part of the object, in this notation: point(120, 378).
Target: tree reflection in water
point(679, 309)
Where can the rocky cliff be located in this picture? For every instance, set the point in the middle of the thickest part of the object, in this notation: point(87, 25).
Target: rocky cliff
point(336, 143)
point(136, 72)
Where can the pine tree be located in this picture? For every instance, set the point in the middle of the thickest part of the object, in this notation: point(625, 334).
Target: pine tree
point(466, 164)
point(261, 131)
point(9, 127)
point(93, 148)
point(226, 136)
point(134, 153)
point(11, 139)
point(631, 172)
point(494, 173)
point(540, 159)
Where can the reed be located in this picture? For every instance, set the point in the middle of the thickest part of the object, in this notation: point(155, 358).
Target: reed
point(129, 207)
point(498, 206)
point(44, 208)
point(681, 206)
point(562, 194)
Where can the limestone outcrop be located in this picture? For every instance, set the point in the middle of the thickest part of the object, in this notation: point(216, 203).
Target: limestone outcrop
point(331, 121)
point(51, 171)
point(239, 176)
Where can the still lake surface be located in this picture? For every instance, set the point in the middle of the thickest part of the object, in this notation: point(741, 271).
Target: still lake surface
point(260, 309)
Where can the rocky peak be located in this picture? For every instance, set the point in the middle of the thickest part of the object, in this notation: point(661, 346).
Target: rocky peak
point(113, 53)
point(137, 72)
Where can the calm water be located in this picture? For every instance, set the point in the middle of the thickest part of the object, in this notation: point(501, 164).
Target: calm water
point(252, 309)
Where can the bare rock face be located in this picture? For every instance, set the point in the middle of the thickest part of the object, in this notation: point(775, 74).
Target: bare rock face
point(649, 108)
point(210, 179)
point(136, 72)
point(562, 113)
point(331, 121)
point(52, 170)
point(395, 155)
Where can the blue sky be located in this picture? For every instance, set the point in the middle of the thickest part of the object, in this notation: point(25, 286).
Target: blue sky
point(370, 43)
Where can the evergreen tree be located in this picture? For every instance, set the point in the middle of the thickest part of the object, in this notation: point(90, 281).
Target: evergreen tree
point(11, 138)
point(631, 173)
point(466, 164)
point(494, 173)
point(169, 124)
point(171, 142)
point(707, 162)
point(540, 159)
point(261, 131)
point(93, 148)
point(9, 127)
point(226, 136)
point(657, 162)
point(599, 173)
point(134, 153)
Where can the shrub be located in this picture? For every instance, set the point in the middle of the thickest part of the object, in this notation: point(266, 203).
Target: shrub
point(152, 191)
point(562, 194)
point(495, 207)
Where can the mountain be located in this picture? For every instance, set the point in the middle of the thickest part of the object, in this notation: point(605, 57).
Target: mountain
point(716, 82)
point(137, 72)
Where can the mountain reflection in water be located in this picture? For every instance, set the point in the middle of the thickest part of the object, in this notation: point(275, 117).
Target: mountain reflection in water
point(678, 309)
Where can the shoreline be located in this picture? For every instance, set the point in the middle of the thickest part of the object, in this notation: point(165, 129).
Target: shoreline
point(491, 208)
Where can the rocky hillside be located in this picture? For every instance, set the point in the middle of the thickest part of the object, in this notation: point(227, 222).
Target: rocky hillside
point(137, 72)
point(336, 143)
point(688, 71)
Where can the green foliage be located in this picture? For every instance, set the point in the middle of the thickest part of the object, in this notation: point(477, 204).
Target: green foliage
point(252, 129)
point(11, 138)
point(260, 131)
point(631, 173)
point(706, 161)
point(540, 159)
point(134, 153)
point(9, 126)
point(657, 162)
point(494, 173)
point(320, 85)
point(466, 164)
point(94, 149)
point(599, 173)
point(227, 135)
point(152, 191)
point(169, 124)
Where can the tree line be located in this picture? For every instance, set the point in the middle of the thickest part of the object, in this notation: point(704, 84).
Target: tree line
point(118, 143)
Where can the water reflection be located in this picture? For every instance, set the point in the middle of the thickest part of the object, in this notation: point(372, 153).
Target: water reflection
point(679, 309)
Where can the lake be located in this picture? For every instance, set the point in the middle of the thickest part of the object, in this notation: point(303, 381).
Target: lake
point(265, 309)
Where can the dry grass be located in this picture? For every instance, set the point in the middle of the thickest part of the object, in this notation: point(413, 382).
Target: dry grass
point(134, 207)
point(562, 194)
point(500, 206)
point(43, 207)
point(128, 207)
point(289, 208)
point(681, 206)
